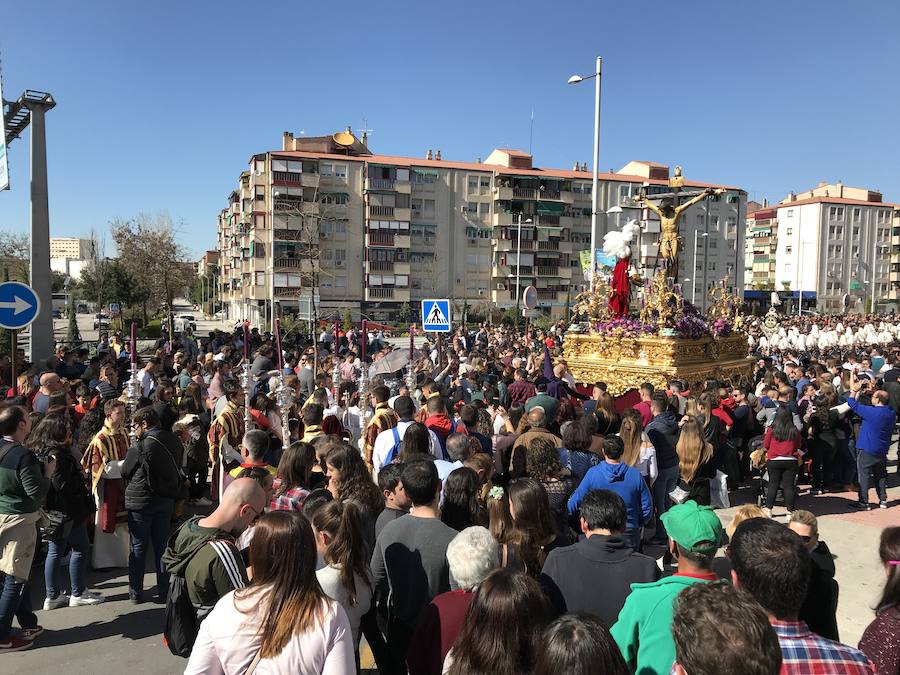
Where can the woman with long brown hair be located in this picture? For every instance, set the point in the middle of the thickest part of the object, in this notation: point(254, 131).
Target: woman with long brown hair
point(337, 527)
point(532, 532)
point(283, 618)
point(349, 478)
point(608, 419)
point(695, 463)
point(502, 630)
point(639, 451)
point(292, 486)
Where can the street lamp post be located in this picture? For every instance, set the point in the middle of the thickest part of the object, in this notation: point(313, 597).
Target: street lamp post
point(519, 266)
point(595, 189)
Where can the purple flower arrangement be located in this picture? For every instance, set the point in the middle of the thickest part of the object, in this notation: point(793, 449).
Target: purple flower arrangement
point(691, 326)
point(721, 328)
point(624, 326)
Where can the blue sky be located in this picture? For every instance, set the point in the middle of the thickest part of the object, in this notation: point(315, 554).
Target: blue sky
point(160, 105)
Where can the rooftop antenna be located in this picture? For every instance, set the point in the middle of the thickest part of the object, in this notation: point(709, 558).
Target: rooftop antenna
point(365, 131)
point(531, 131)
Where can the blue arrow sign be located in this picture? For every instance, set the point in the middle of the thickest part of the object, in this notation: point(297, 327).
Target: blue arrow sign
point(19, 305)
point(436, 316)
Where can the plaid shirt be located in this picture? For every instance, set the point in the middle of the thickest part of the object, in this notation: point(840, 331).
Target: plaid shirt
point(291, 500)
point(805, 653)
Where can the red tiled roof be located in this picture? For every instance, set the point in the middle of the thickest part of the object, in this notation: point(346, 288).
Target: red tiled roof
point(495, 168)
point(514, 153)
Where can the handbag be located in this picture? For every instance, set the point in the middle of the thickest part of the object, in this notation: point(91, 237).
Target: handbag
point(718, 491)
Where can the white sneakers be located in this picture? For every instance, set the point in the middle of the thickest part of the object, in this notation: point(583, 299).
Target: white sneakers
point(60, 600)
point(86, 598)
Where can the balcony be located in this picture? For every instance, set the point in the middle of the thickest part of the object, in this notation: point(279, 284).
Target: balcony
point(295, 206)
point(379, 184)
point(553, 220)
point(502, 296)
point(392, 212)
point(401, 241)
point(501, 271)
point(387, 293)
point(390, 266)
point(550, 195)
point(550, 245)
point(547, 271)
point(565, 273)
point(288, 291)
point(567, 197)
point(387, 239)
point(524, 193)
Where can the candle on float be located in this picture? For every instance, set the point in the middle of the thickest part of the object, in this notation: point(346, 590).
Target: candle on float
point(246, 341)
point(278, 343)
point(133, 346)
point(364, 341)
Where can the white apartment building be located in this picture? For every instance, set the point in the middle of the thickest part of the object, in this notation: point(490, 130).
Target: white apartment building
point(835, 241)
point(374, 232)
point(72, 248)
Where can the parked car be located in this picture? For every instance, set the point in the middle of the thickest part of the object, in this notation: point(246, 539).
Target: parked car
point(57, 313)
point(185, 322)
point(101, 321)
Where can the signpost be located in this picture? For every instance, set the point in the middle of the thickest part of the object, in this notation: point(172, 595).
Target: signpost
point(436, 316)
point(19, 306)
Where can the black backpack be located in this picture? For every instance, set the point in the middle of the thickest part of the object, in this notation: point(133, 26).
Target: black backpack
point(164, 477)
point(182, 623)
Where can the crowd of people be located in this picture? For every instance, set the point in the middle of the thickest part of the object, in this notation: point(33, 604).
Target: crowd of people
point(490, 516)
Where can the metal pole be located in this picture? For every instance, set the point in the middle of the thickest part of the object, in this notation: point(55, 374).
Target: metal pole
point(518, 269)
point(12, 362)
point(41, 337)
point(800, 277)
point(595, 185)
point(872, 275)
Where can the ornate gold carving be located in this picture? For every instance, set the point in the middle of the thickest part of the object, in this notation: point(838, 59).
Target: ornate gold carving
point(594, 305)
point(664, 305)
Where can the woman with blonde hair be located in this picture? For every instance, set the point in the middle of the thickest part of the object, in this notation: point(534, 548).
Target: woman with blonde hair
point(695, 463)
point(608, 419)
point(282, 621)
point(639, 451)
point(691, 410)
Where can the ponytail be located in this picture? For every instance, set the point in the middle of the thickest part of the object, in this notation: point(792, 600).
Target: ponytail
point(342, 521)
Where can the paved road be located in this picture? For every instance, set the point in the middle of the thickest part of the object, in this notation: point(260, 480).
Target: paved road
point(107, 637)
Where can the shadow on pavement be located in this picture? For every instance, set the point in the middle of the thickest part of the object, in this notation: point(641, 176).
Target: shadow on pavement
point(134, 626)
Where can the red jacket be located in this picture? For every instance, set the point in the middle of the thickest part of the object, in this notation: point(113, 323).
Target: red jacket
point(775, 448)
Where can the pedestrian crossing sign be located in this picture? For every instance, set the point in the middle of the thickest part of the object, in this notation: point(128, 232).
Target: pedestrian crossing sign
point(436, 316)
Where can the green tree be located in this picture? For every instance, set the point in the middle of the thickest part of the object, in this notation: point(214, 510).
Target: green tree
point(405, 313)
point(348, 319)
point(73, 335)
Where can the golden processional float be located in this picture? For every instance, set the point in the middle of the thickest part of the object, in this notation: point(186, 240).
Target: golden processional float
point(668, 338)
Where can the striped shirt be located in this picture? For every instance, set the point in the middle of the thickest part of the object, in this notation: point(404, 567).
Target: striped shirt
point(805, 653)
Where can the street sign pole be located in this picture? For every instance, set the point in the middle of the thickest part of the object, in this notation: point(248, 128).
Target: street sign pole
point(12, 361)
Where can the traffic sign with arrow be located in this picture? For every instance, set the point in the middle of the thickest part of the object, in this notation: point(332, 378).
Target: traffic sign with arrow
point(19, 305)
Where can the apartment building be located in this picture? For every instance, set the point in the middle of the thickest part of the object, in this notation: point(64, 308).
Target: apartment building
point(834, 243)
point(372, 232)
point(208, 263)
point(760, 248)
point(72, 248)
point(894, 294)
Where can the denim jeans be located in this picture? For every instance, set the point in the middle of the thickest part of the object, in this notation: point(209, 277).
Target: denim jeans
point(665, 482)
point(15, 600)
point(56, 549)
point(877, 468)
point(148, 527)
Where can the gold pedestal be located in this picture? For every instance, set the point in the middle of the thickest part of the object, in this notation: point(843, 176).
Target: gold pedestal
point(625, 363)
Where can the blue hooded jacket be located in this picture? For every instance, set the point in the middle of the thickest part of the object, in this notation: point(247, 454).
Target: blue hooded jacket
point(626, 481)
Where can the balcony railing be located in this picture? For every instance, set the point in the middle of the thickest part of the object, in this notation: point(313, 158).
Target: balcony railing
point(523, 193)
point(381, 265)
point(546, 271)
point(381, 184)
point(288, 291)
point(381, 293)
point(381, 210)
point(378, 238)
point(550, 194)
point(548, 220)
point(286, 177)
point(288, 262)
point(551, 245)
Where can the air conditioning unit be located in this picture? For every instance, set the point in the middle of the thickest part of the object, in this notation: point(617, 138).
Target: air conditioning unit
point(495, 242)
point(501, 287)
point(340, 263)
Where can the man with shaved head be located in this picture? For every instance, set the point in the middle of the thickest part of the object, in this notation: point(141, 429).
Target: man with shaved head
point(203, 553)
point(50, 384)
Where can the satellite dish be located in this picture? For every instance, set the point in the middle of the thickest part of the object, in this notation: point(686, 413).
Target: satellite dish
point(344, 138)
point(529, 297)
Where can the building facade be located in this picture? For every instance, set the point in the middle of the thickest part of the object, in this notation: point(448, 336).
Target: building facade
point(761, 242)
point(72, 248)
point(324, 219)
point(836, 242)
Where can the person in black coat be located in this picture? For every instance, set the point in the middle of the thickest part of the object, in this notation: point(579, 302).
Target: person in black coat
point(570, 574)
point(154, 483)
point(819, 609)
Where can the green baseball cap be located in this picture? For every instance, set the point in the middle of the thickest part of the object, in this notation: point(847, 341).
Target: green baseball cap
point(695, 528)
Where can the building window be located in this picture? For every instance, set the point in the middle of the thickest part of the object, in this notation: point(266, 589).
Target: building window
point(790, 213)
point(472, 185)
point(485, 182)
point(472, 208)
point(340, 254)
point(484, 208)
point(857, 214)
point(835, 212)
point(788, 250)
point(789, 231)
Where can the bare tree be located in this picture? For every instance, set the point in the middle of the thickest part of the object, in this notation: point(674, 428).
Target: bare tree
point(149, 250)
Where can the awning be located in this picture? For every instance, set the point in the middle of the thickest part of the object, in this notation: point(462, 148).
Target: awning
point(425, 172)
point(551, 208)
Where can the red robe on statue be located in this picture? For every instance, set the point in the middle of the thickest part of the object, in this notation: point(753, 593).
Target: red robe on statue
point(621, 287)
